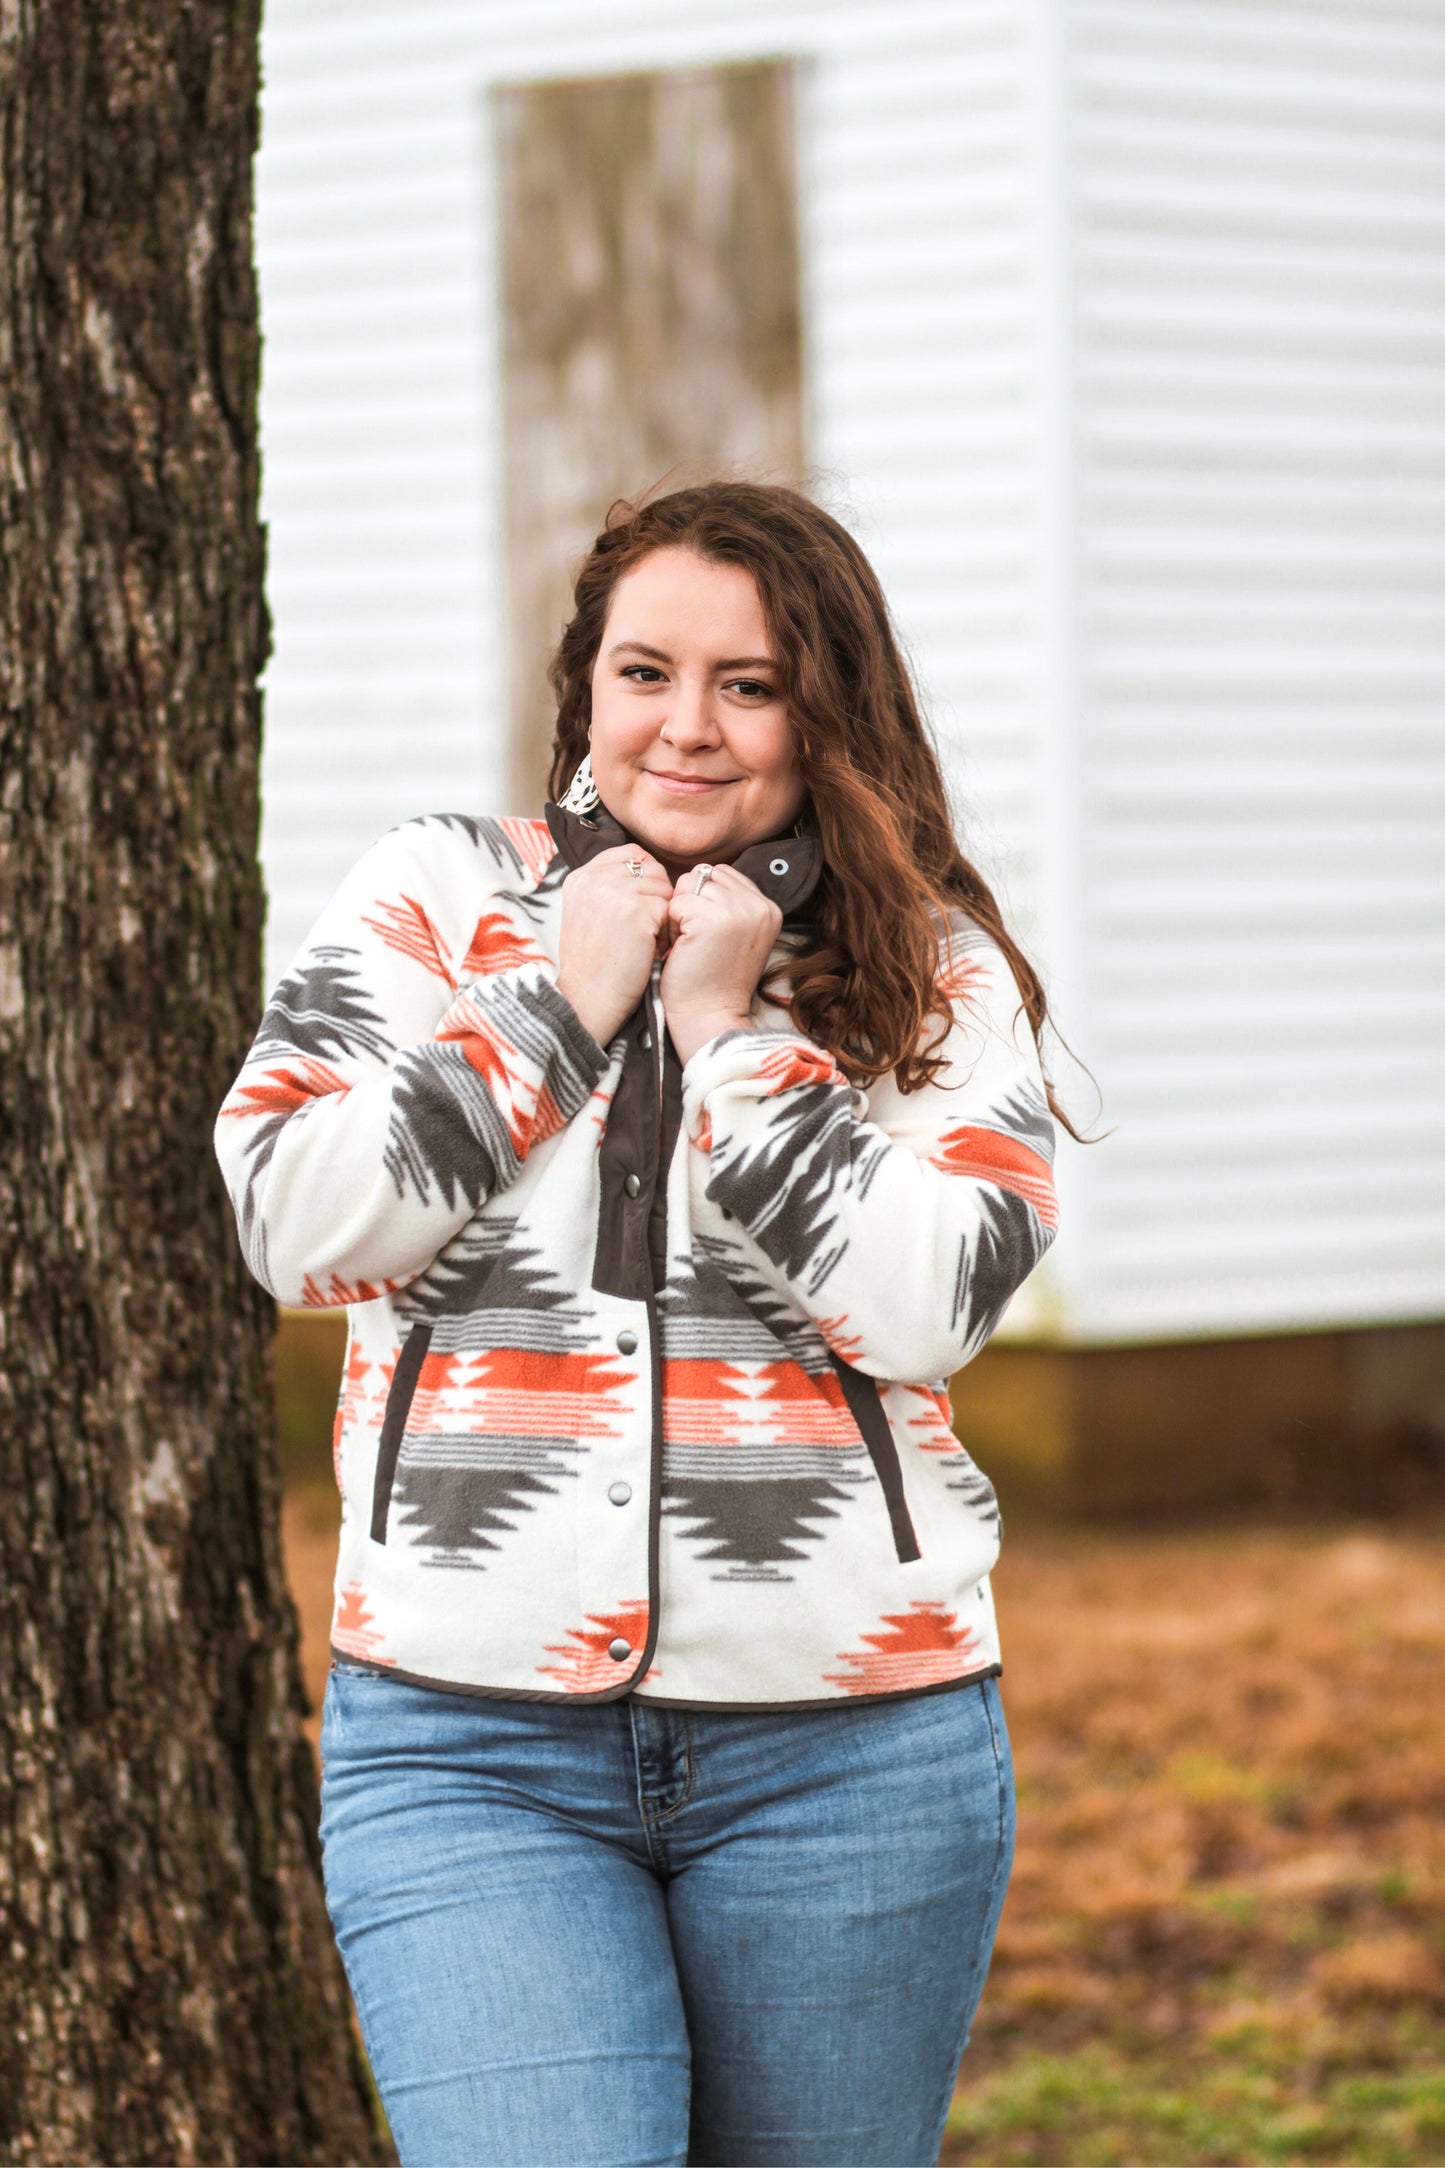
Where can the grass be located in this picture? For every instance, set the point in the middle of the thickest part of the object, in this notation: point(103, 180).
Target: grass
point(1101, 2105)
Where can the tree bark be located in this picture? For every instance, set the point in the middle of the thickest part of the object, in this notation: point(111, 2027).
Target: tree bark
point(169, 1989)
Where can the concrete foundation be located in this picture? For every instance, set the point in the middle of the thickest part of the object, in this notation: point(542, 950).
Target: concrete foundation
point(1326, 1421)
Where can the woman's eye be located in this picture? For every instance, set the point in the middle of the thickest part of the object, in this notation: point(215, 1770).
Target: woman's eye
point(752, 688)
point(644, 673)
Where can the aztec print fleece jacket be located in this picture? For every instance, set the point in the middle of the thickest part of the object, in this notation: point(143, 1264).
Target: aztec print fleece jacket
point(645, 1389)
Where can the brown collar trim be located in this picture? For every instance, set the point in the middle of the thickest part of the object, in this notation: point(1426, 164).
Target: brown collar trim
point(785, 868)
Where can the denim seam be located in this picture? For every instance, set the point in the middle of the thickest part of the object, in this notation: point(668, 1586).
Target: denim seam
point(977, 1994)
point(998, 1772)
point(688, 1782)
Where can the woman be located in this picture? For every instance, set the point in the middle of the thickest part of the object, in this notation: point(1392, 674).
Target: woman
point(670, 1153)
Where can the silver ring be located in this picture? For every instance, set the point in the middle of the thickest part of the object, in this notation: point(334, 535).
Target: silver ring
point(704, 875)
point(634, 867)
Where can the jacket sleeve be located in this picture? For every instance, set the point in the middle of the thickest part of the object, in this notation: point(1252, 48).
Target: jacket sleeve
point(412, 1056)
point(902, 1235)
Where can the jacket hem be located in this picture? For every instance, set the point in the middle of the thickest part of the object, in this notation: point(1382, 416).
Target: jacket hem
point(827, 1701)
point(483, 1693)
point(624, 1690)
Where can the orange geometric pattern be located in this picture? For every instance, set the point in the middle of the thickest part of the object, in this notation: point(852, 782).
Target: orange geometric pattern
point(353, 1627)
point(439, 1375)
point(933, 1425)
point(840, 1337)
point(286, 1089)
point(349, 1405)
point(530, 1111)
point(338, 1291)
point(989, 1156)
point(807, 1409)
point(406, 928)
point(703, 1401)
point(498, 945)
point(524, 1393)
point(711, 1401)
point(925, 1646)
point(586, 1665)
point(597, 1107)
point(532, 842)
point(786, 1066)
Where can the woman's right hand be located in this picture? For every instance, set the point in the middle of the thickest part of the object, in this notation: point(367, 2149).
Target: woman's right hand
point(614, 927)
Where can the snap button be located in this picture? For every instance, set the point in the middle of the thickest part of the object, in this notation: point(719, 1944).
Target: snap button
point(621, 1492)
point(627, 1343)
point(777, 865)
point(645, 1042)
point(619, 1650)
point(633, 1186)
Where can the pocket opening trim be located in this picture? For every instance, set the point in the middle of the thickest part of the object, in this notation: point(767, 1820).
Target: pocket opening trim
point(393, 1426)
point(868, 1412)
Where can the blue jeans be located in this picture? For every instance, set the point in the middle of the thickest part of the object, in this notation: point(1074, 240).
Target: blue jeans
point(626, 1934)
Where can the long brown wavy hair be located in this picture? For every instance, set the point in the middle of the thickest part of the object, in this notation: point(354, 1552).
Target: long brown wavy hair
point(891, 863)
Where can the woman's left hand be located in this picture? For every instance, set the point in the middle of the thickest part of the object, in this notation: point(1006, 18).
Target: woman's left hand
point(721, 941)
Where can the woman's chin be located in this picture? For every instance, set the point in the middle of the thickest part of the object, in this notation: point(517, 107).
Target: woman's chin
point(687, 834)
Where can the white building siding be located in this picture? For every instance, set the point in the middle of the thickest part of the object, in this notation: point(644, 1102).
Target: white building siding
point(1259, 295)
point(1125, 328)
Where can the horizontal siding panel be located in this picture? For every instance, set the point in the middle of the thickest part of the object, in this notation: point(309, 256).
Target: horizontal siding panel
point(303, 36)
point(1140, 966)
point(1235, 1303)
point(1272, 799)
point(1378, 37)
point(1177, 316)
point(1167, 1038)
point(1261, 1138)
point(399, 257)
point(405, 189)
point(1335, 1070)
point(1195, 89)
point(376, 472)
point(1367, 169)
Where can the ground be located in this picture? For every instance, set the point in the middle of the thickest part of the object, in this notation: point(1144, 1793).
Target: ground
point(1225, 1936)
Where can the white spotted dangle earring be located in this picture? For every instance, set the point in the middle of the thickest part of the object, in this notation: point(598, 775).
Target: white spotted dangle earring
point(582, 796)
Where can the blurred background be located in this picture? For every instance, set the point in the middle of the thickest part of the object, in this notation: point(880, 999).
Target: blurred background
point(1116, 332)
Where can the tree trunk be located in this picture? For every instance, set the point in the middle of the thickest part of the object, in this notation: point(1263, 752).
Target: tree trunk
point(169, 1989)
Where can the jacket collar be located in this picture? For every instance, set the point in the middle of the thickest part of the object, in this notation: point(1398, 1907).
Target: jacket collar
point(785, 868)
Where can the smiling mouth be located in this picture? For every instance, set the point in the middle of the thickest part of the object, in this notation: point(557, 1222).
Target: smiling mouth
point(687, 786)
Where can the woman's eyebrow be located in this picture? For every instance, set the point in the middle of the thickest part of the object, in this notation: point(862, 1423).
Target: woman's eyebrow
point(660, 654)
point(638, 647)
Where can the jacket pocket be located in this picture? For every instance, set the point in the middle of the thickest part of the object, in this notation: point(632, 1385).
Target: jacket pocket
point(393, 1425)
point(867, 1411)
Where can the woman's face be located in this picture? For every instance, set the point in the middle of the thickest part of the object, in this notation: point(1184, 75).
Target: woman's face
point(691, 746)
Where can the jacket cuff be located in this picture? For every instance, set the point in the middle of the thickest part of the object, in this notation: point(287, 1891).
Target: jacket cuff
point(741, 1065)
point(525, 1010)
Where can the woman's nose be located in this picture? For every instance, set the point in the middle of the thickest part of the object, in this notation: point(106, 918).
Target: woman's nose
point(691, 717)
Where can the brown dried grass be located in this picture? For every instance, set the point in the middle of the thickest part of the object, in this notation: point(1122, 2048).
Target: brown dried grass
point(1231, 1762)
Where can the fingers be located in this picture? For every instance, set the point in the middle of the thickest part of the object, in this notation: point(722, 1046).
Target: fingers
point(608, 889)
point(618, 863)
point(727, 893)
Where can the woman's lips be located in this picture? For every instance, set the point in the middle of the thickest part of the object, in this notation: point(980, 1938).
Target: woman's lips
point(689, 786)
